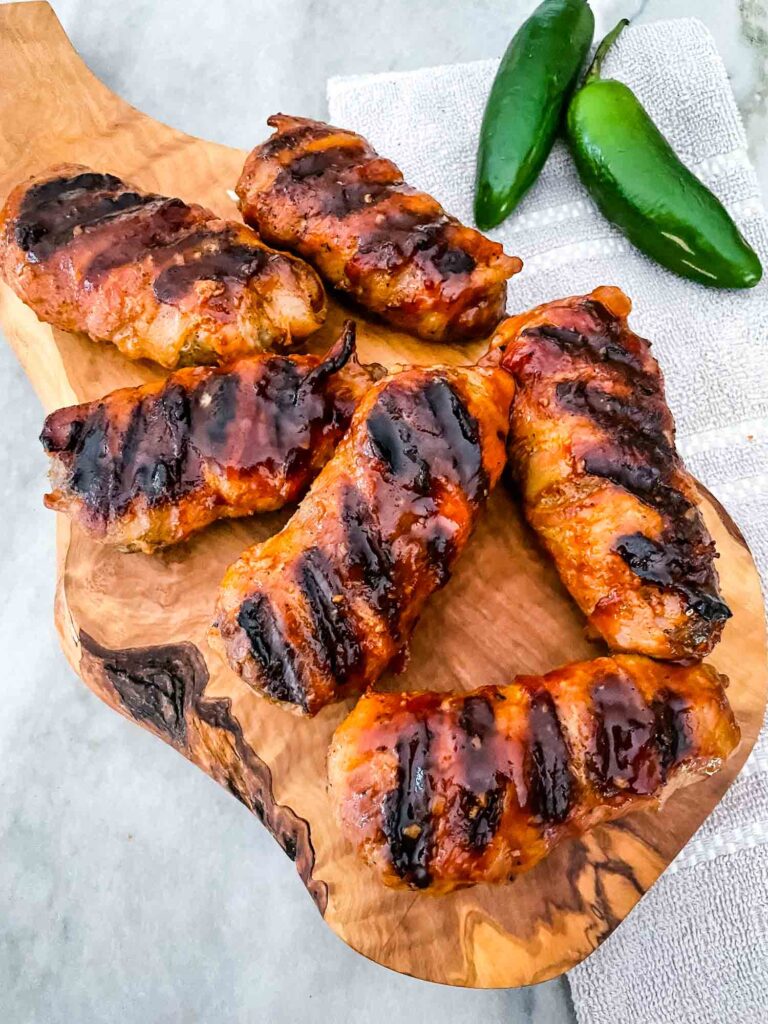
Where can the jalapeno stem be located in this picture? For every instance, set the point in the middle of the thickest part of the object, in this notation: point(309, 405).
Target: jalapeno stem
point(597, 61)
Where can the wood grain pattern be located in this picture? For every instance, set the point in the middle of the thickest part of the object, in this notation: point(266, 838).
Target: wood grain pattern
point(134, 626)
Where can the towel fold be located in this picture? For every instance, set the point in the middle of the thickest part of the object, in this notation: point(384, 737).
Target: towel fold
point(696, 948)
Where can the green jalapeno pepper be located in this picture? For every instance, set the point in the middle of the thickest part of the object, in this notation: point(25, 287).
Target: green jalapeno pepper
point(641, 186)
point(526, 102)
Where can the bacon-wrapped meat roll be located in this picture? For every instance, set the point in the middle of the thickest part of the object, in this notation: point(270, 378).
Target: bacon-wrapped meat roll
point(148, 466)
point(326, 194)
point(322, 607)
point(443, 790)
point(158, 278)
point(592, 444)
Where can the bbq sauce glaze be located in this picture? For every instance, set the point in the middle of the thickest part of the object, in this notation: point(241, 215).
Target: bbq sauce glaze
point(262, 419)
point(343, 180)
point(394, 523)
point(635, 450)
point(123, 226)
point(460, 781)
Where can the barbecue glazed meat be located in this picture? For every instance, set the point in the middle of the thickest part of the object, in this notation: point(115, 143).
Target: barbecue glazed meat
point(325, 193)
point(321, 608)
point(443, 790)
point(148, 466)
point(159, 279)
point(592, 444)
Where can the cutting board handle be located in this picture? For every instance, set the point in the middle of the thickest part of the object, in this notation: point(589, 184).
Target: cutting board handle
point(47, 92)
point(50, 101)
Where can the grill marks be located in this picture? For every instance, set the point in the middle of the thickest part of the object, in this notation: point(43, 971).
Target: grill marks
point(93, 470)
point(222, 396)
point(266, 415)
point(271, 650)
point(332, 608)
point(343, 180)
point(122, 226)
point(458, 439)
point(332, 181)
point(448, 789)
point(157, 460)
point(151, 457)
point(324, 193)
point(54, 211)
point(470, 786)
point(427, 440)
point(425, 434)
point(370, 557)
point(279, 418)
point(636, 452)
point(406, 236)
point(641, 423)
point(551, 786)
point(162, 230)
point(599, 341)
point(393, 442)
point(380, 531)
point(639, 456)
point(481, 796)
point(622, 754)
point(681, 562)
point(631, 748)
point(673, 729)
point(634, 744)
point(454, 769)
point(334, 637)
point(407, 810)
point(328, 161)
point(472, 795)
point(219, 257)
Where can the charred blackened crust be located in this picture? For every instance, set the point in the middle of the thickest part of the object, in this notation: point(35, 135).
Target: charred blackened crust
point(325, 192)
point(267, 422)
point(75, 243)
point(187, 243)
point(634, 449)
point(319, 610)
point(579, 360)
point(54, 211)
point(440, 790)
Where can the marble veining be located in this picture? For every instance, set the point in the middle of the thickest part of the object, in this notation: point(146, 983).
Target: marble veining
point(753, 15)
point(132, 888)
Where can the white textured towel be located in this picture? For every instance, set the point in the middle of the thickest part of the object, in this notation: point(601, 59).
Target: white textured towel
point(696, 948)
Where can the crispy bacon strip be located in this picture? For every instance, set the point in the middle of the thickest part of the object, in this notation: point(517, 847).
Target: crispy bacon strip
point(321, 608)
point(148, 466)
point(160, 279)
point(443, 790)
point(592, 444)
point(326, 194)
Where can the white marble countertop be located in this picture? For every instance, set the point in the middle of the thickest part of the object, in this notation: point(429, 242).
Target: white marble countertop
point(132, 888)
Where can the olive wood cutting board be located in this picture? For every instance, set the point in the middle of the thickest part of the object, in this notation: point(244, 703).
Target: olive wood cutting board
point(133, 626)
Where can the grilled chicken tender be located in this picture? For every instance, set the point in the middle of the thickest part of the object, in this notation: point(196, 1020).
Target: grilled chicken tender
point(160, 279)
point(442, 790)
point(592, 444)
point(326, 194)
point(148, 466)
point(322, 608)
